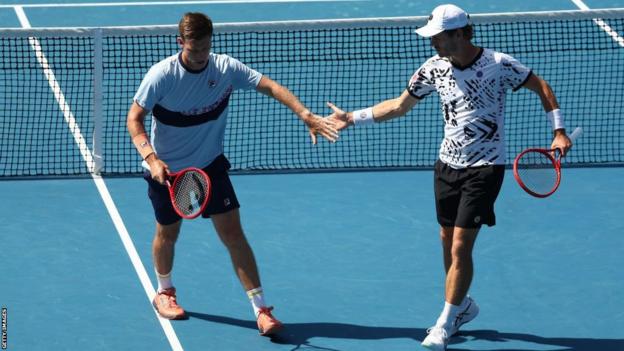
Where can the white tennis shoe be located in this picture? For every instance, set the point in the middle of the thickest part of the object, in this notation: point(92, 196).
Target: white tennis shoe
point(437, 339)
point(468, 314)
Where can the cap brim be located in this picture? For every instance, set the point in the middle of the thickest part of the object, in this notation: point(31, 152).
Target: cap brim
point(428, 31)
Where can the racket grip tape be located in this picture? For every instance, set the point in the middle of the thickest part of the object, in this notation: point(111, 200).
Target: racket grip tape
point(576, 133)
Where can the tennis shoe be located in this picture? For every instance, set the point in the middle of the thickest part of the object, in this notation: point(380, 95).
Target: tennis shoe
point(166, 305)
point(468, 314)
point(267, 324)
point(437, 339)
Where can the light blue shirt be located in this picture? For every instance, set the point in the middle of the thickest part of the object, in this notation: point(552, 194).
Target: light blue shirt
point(190, 107)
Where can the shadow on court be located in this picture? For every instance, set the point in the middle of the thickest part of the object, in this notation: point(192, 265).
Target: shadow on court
point(299, 334)
point(562, 344)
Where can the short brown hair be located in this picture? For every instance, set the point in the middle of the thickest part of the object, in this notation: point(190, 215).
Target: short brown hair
point(194, 26)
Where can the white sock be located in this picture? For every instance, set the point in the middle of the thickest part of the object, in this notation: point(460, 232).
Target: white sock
point(448, 315)
point(256, 296)
point(164, 281)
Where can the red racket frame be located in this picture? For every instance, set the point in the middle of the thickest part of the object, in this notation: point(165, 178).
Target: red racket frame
point(176, 177)
point(556, 163)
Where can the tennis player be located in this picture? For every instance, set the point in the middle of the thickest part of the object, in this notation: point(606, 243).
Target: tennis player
point(472, 83)
point(188, 95)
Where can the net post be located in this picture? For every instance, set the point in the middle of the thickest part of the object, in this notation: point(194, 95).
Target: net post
point(98, 161)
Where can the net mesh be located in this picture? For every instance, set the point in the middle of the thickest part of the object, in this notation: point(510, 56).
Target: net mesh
point(353, 65)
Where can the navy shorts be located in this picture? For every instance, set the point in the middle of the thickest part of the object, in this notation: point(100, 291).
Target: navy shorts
point(223, 198)
point(465, 197)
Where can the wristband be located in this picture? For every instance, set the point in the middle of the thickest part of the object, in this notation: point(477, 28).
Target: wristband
point(363, 117)
point(556, 119)
point(143, 145)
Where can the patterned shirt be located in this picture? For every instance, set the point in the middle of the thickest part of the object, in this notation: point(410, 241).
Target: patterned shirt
point(190, 107)
point(473, 104)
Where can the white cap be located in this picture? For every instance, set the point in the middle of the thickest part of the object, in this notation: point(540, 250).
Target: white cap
point(444, 17)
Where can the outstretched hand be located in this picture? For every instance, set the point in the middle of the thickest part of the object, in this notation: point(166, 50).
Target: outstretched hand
point(339, 117)
point(323, 126)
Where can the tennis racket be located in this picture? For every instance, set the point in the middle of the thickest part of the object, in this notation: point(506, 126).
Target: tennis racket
point(189, 191)
point(538, 171)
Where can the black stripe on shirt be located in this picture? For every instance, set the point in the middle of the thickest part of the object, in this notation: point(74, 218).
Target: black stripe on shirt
point(177, 119)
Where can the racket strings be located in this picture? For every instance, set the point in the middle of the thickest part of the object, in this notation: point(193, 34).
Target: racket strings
point(190, 192)
point(538, 173)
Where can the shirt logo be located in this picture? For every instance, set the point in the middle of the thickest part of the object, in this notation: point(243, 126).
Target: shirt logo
point(212, 83)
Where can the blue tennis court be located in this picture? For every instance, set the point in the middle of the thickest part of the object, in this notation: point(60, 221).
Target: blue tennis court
point(350, 260)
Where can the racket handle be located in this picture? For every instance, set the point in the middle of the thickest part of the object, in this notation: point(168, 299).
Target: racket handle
point(576, 133)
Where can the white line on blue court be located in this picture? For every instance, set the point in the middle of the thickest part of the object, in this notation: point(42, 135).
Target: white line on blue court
point(162, 3)
point(614, 34)
point(581, 5)
point(99, 182)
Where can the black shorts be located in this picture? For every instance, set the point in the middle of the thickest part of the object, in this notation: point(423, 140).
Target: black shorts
point(465, 197)
point(223, 198)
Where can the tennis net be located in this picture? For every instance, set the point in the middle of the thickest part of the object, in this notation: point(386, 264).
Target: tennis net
point(65, 92)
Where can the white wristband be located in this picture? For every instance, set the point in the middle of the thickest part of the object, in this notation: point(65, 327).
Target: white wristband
point(556, 119)
point(363, 117)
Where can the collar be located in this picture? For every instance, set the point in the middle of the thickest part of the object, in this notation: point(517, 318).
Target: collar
point(190, 70)
point(474, 60)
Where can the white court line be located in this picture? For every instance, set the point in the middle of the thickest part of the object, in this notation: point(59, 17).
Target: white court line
point(157, 3)
point(602, 24)
point(581, 5)
point(99, 182)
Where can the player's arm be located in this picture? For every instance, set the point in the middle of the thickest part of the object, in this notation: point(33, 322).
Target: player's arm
point(551, 107)
point(382, 111)
point(135, 123)
point(316, 124)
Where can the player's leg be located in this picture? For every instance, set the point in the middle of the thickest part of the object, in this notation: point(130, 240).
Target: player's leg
point(479, 189)
point(223, 209)
point(230, 232)
point(448, 187)
point(447, 190)
point(163, 248)
point(168, 225)
point(459, 308)
point(460, 272)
